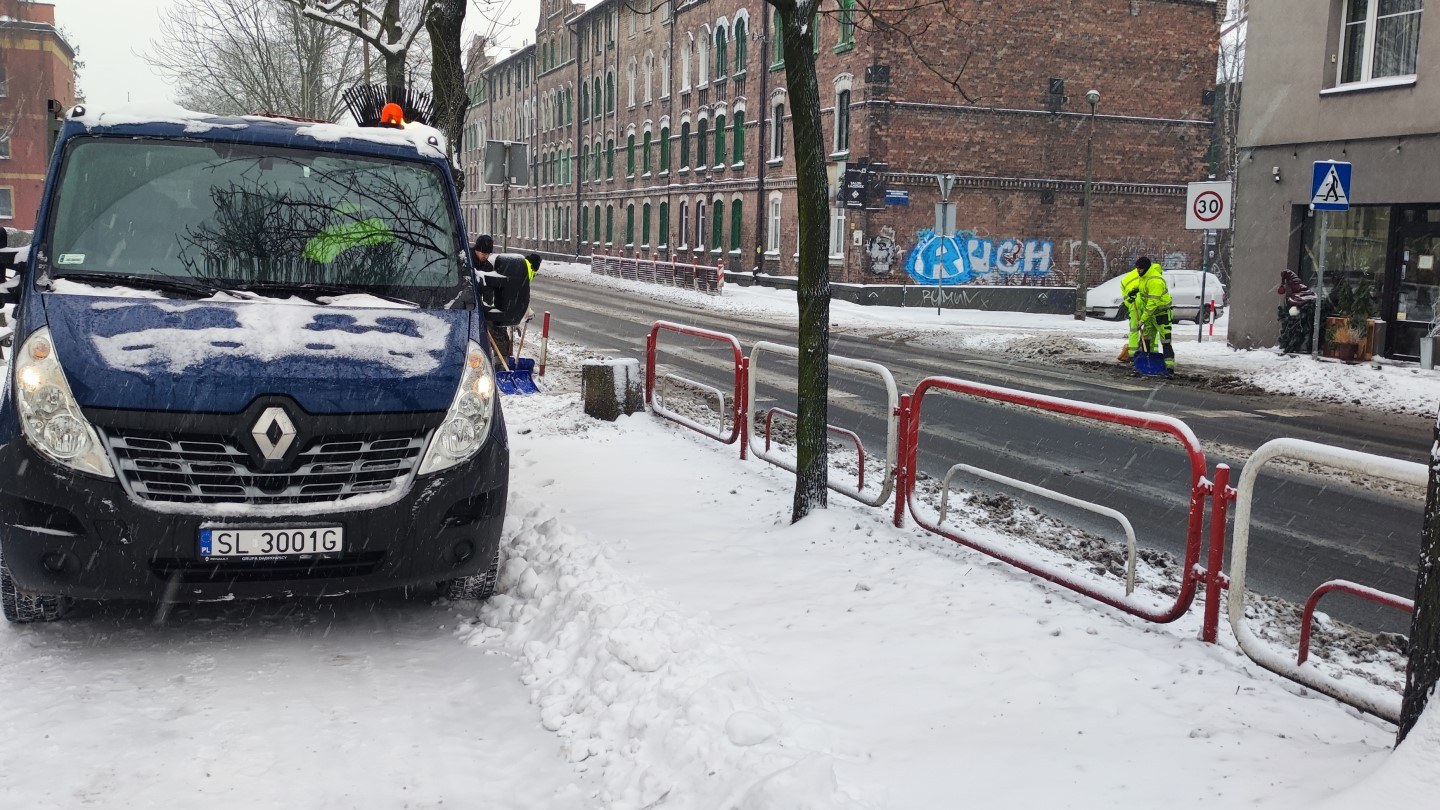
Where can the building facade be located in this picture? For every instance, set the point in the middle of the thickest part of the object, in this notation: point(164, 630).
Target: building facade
point(666, 133)
point(1345, 80)
point(37, 69)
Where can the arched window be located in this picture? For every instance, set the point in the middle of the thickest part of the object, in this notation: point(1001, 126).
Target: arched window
point(738, 136)
point(566, 165)
point(684, 230)
point(665, 73)
point(630, 84)
point(584, 224)
point(630, 155)
point(664, 229)
point(736, 220)
point(649, 75)
point(740, 44)
point(777, 131)
point(700, 232)
point(609, 225)
point(687, 50)
point(645, 153)
point(847, 23)
point(595, 171)
point(610, 158)
point(684, 145)
point(569, 106)
point(664, 149)
point(721, 57)
point(630, 225)
point(772, 229)
point(584, 164)
point(702, 143)
point(596, 224)
point(595, 97)
point(842, 115)
point(702, 58)
point(645, 224)
point(610, 92)
point(717, 226)
point(584, 102)
point(777, 54)
point(719, 142)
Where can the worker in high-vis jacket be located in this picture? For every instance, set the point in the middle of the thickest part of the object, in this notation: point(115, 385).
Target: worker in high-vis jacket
point(1147, 298)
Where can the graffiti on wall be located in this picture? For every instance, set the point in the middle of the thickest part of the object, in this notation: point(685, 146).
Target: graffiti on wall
point(967, 258)
point(882, 250)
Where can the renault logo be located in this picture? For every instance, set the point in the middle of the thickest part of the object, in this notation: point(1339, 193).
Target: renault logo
point(273, 433)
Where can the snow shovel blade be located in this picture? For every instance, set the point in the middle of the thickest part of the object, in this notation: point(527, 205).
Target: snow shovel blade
point(1150, 364)
point(519, 379)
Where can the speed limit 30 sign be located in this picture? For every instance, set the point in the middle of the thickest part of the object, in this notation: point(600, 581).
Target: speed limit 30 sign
point(1207, 207)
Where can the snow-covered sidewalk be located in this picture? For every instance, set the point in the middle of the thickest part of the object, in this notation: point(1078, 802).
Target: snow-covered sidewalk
point(1387, 386)
point(691, 648)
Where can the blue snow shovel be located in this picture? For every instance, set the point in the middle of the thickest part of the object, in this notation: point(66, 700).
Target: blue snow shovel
point(1148, 363)
point(516, 374)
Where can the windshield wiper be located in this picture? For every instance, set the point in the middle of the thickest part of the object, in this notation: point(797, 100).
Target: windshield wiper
point(315, 290)
point(162, 283)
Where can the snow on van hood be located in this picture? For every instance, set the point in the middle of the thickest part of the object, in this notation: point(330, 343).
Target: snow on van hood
point(217, 356)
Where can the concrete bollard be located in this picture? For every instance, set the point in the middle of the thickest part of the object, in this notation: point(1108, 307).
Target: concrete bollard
point(609, 388)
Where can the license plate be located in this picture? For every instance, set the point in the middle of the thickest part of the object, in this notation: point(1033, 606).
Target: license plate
point(271, 542)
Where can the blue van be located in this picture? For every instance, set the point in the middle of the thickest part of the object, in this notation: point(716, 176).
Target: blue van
point(249, 360)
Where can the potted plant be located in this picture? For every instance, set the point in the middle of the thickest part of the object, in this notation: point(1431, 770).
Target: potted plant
point(1347, 332)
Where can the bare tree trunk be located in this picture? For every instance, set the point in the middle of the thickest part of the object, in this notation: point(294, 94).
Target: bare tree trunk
point(443, 22)
point(1423, 671)
point(813, 382)
point(394, 60)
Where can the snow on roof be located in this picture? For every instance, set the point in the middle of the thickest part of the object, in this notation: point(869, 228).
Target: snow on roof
point(426, 140)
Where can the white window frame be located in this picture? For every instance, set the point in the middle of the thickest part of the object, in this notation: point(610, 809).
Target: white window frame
point(773, 223)
point(8, 193)
point(837, 232)
point(1367, 61)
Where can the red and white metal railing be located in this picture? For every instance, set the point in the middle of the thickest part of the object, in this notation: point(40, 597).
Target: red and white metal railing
point(1380, 703)
point(706, 278)
point(910, 411)
point(892, 429)
point(740, 372)
point(839, 431)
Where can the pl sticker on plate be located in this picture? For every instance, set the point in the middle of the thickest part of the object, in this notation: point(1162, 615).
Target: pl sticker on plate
point(71, 258)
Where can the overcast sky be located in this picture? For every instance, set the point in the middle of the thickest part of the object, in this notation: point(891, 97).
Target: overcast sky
point(111, 35)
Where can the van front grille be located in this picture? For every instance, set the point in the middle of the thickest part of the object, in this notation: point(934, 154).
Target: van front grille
point(179, 468)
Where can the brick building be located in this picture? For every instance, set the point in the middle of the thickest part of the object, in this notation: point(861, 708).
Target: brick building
point(37, 65)
point(667, 134)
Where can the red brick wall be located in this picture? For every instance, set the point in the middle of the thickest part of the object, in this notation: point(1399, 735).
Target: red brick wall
point(1151, 59)
point(38, 67)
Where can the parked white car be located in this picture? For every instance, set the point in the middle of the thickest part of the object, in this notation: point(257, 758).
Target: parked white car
point(1105, 301)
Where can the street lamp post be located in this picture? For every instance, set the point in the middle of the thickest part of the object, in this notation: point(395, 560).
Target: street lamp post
point(1080, 288)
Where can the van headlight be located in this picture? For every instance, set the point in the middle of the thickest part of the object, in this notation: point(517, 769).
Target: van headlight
point(50, 417)
point(467, 423)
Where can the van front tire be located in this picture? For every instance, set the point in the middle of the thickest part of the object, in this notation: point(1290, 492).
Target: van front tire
point(23, 608)
point(476, 586)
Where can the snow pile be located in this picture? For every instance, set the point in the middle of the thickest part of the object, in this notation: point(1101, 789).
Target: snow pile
point(1410, 777)
point(639, 692)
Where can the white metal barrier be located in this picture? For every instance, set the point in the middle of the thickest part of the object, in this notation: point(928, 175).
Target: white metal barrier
point(1375, 701)
point(667, 379)
point(1060, 497)
point(892, 430)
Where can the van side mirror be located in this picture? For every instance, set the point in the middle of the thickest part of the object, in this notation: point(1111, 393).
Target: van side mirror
point(510, 295)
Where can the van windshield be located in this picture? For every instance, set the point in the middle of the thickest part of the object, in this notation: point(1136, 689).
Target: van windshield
point(235, 216)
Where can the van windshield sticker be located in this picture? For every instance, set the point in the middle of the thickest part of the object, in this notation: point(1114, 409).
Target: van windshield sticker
point(71, 258)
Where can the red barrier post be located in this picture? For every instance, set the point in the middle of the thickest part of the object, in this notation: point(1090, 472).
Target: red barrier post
point(740, 371)
point(1221, 496)
point(544, 341)
point(902, 461)
point(1378, 597)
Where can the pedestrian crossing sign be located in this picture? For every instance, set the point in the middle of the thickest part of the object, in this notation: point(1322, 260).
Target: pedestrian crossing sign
point(1330, 186)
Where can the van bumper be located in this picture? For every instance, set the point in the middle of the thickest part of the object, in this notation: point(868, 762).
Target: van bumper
point(70, 534)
